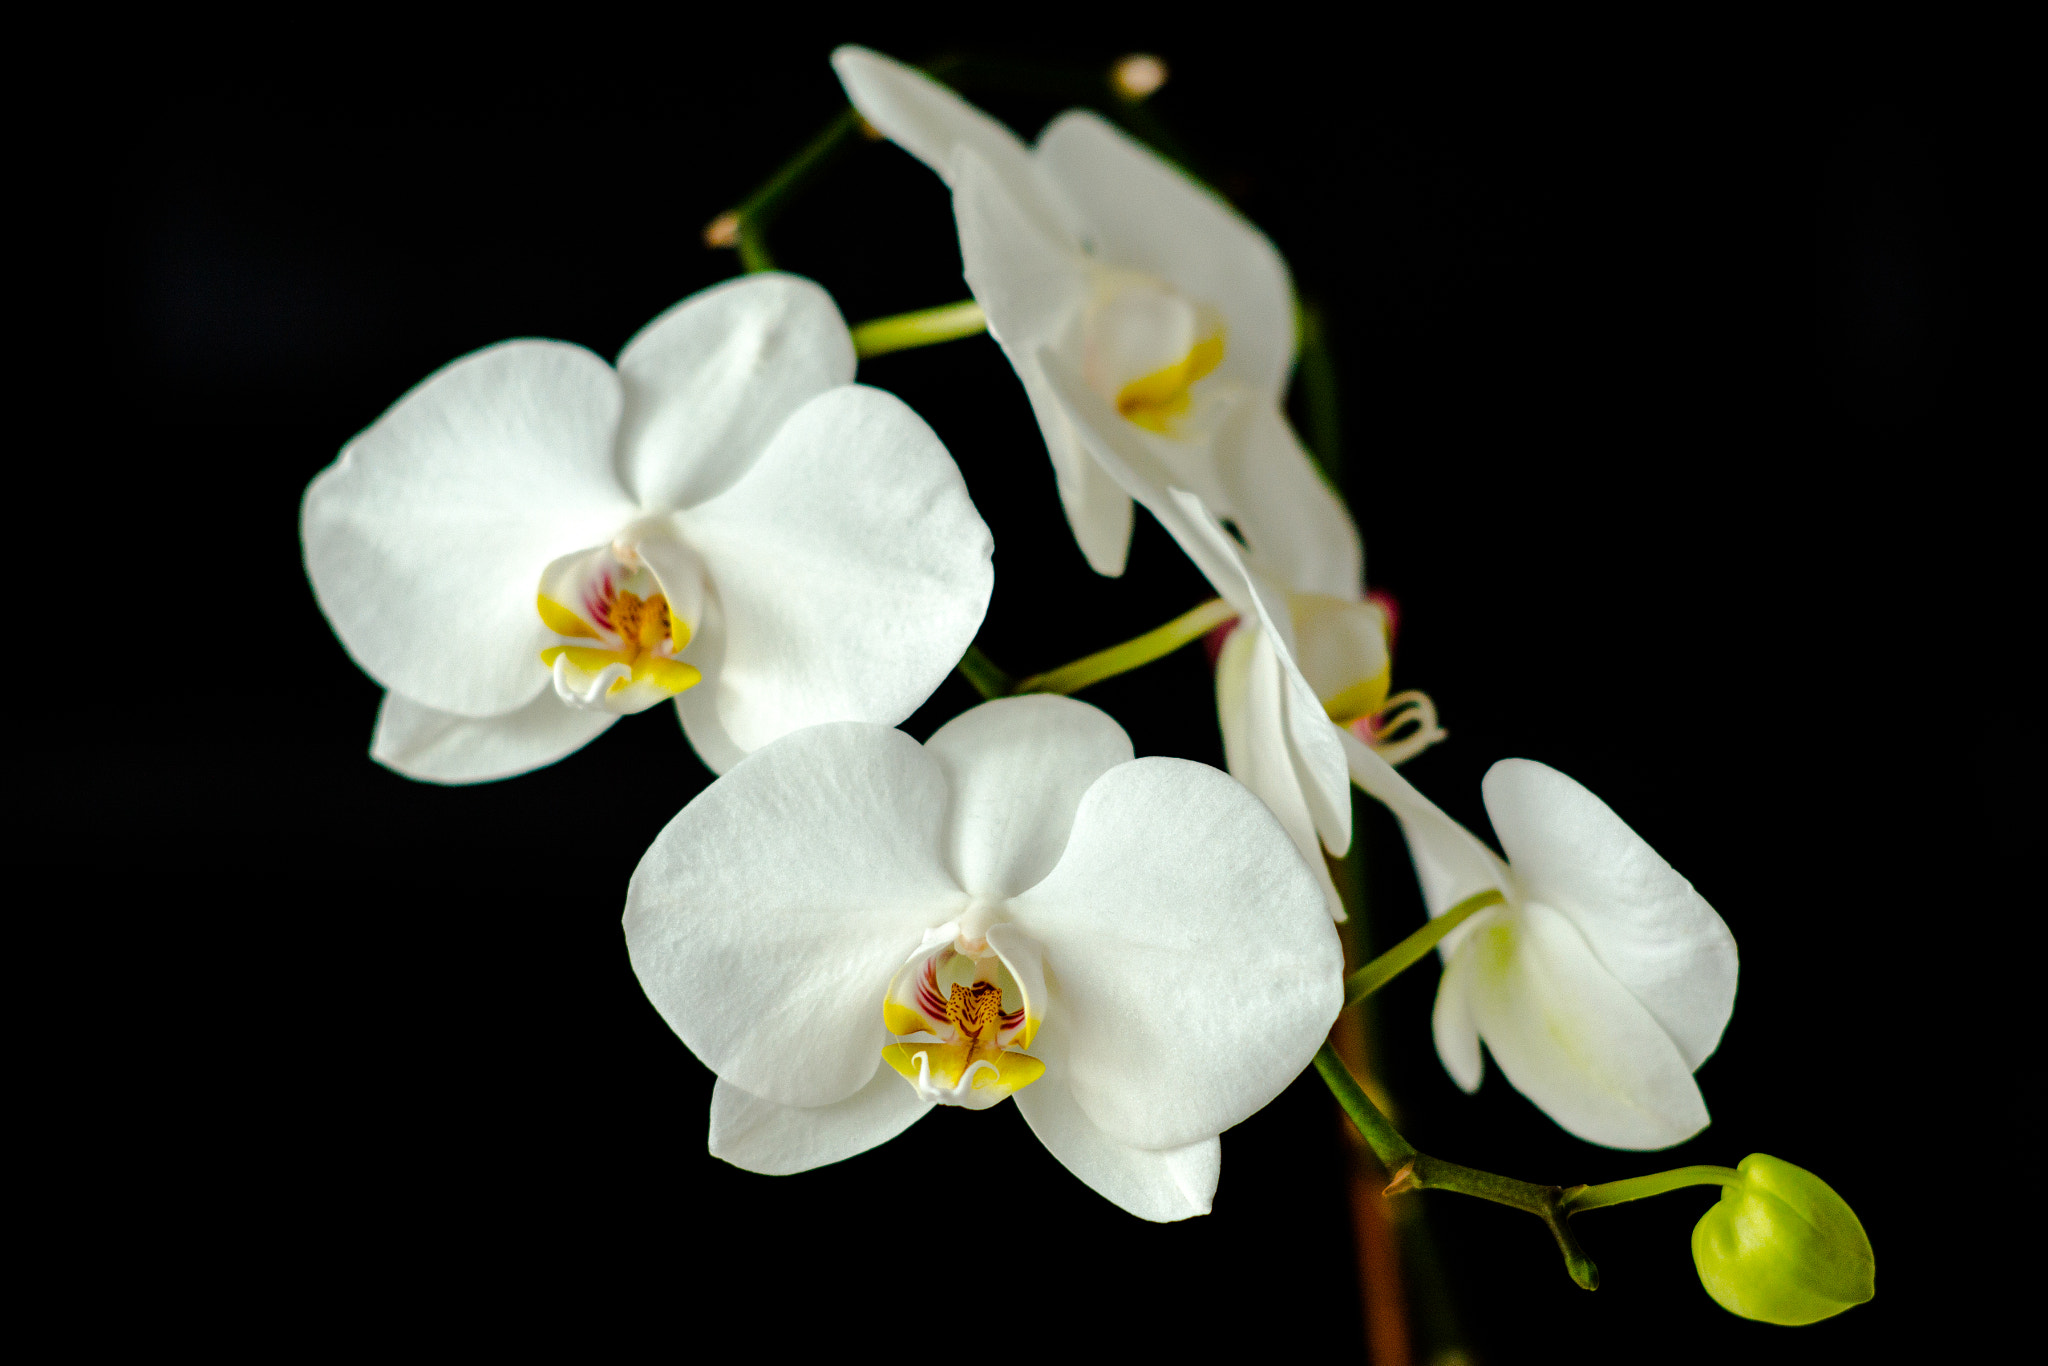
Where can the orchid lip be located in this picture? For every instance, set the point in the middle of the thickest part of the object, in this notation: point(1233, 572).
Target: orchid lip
point(960, 1018)
point(621, 641)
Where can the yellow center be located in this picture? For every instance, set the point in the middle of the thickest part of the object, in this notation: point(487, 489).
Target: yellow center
point(649, 639)
point(973, 1015)
point(1158, 400)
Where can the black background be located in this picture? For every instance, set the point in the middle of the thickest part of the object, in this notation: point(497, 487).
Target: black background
point(1669, 391)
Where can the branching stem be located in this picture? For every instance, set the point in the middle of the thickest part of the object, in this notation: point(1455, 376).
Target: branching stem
point(1413, 1170)
point(750, 218)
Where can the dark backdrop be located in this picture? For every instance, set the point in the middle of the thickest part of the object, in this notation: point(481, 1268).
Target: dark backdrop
point(1665, 415)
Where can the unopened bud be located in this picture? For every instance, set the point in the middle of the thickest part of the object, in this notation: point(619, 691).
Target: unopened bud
point(1137, 76)
point(1780, 1246)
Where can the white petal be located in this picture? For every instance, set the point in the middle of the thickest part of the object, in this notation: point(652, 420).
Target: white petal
point(1163, 1186)
point(1453, 1026)
point(1139, 213)
point(1032, 285)
point(1339, 643)
point(1571, 1038)
point(851, 568)
point(1313, 744)
point(1192, 965)
point(777, 1140)
point(1450, 862)
point(767, 918)
point(1644, 922)
point(1251, 708)
point(1033, 288)
point(1098, 510)
point(697, 708)
point(440, 747)
point(711, 380)
point(1017, 769)
point(1298, 529)
point(426, 540)
point(930, 122)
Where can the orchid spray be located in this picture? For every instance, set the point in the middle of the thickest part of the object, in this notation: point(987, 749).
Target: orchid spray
point(852, 929)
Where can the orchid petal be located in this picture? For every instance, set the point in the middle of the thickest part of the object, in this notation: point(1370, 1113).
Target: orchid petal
point(697, 709)
point(1297, 527)
point(778, 1140)
point(1341, 647)
point(1142, 214)
point(1142, 464)
point(1017, 769)
point(1251, 709)
point(1313, 744)
point(1450, 861)
point(1453, 1025)
point(931, 123)
point(426, 539)
point(768, 917)
point(709, 382)
point(440, 747)
point(850, 566)
point(1163, 1186)
point(1644, 922)
point(1032, 288)
point(1030, 284)
point(1570, 1037)
point(1191, 961)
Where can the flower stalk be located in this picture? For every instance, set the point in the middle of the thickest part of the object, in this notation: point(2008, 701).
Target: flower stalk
point(925, 327)
point(744, 227)
point(1156, 643)
point(1415, 947)
point(1581, 1198)
point(990, 680)
point(1414, 1170)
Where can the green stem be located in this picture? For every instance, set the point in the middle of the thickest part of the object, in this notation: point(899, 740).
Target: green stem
point(753, 213)
point(1154, 644)
point(1581, 1198)
point(1411, 950)
point(925, 327)
point(988, 680)
point(1414, 1170)
point(1393, 1151)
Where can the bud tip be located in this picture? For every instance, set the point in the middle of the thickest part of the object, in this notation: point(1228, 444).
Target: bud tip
point(1138, 75)
point(723, 231)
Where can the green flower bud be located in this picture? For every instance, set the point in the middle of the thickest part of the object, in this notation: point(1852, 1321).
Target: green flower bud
point(1781, 1246)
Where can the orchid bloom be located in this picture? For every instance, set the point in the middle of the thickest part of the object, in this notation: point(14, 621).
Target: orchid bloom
point(850, 928)
point(1093, 258)
point(532, 543)
point(1601, 982)
point(1294, 672)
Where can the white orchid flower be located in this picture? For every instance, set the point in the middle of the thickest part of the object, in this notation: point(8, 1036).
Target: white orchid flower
point(1601, 982)
point(1092, 257)
point(532, 543)
point(1298, 666)
point(1128, 947)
